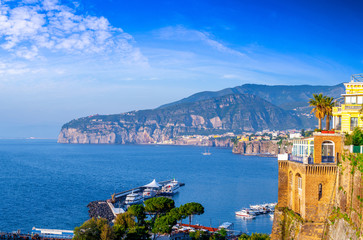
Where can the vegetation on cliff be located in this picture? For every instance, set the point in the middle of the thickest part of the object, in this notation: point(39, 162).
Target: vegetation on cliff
point(134, 224)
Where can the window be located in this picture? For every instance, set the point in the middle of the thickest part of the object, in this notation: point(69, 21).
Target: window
point(347, 100)
point(353, 123)
point(320, 195)
point(327, 152)
point(353, 100)
point(360, 100)
point(299, 183)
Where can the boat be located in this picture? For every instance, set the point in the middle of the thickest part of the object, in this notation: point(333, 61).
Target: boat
point(170, 188)
point(206, 153)
point(149, 193)
point(246, 214)
point(133, 198)
point(271, 216)
point(151, 189)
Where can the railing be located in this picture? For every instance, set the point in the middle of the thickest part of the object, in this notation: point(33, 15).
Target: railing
point(355, 107)
point(327, 159)
point(299, 159)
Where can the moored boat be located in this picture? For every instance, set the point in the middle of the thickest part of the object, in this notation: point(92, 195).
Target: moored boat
point(245, 213)
point(170, 188)
point(151, 189)
point(133, 198)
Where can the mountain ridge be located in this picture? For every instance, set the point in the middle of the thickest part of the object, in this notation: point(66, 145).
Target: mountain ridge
point(231, 110)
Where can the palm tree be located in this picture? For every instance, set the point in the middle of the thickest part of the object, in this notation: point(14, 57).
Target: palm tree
point(317, 102)
point(328, 109)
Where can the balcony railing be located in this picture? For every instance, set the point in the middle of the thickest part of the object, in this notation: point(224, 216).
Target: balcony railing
point(355, 107)
point(327, 159)
point(298, 159)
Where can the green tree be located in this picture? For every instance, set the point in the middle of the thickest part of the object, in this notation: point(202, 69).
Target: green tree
point(107, 232)
point(328, 109)
point(199, 235)
point(123, 223)
point(138, 211)
point(219, 235)
point(158, 206)
point(254, 236)
point(164, 224)
point(191, 209)
point(317, 102)
point(90, 230)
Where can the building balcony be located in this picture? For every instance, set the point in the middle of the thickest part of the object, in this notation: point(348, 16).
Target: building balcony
point(346, 108)
point(292, 158)
point(327, 159)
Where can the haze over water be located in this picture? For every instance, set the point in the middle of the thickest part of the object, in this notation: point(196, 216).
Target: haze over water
point(49, 185)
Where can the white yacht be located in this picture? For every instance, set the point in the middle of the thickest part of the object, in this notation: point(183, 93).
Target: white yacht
point(151, 189)
point(246, 214)
point(133, 198)
point(170, 188)
point(149, 193)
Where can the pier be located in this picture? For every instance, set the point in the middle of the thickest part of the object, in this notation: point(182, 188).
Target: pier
point(120, 195)
point(110, 208)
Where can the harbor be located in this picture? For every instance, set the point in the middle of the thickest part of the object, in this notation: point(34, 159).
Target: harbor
point(119, 202)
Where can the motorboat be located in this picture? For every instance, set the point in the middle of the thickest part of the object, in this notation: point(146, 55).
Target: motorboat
point(133, 198)
point(170, 188)
point(246, 214)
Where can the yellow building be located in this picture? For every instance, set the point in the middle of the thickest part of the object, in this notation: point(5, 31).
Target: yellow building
point(346, 115)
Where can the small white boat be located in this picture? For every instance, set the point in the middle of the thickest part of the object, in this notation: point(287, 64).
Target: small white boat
point(170, 188)
point(206, 153)
point(245, 213)
point(271, 216)
point(133, 198)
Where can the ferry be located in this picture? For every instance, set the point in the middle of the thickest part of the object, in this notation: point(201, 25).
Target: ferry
point(170, 188)
point(133, 198)
point(246, 214)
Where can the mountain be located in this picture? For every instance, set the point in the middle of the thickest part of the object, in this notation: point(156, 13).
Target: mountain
point(246, 108)
point(233, 112)
point(286, 97)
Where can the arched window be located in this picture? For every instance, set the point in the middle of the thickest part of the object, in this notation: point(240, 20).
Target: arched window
point(327, 152)
point(320, 191)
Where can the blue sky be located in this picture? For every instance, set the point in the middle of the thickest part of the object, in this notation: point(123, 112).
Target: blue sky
point(62, 60)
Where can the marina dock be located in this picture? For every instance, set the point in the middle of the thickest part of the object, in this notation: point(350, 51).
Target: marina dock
point(110, 208)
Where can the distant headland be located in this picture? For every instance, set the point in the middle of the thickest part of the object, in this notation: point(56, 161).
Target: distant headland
point(246, 108)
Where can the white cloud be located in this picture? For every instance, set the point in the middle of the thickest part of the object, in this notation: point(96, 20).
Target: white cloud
point(184, 34)
point(30, 27)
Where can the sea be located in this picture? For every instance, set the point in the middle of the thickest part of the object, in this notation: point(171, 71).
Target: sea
point(44, 184)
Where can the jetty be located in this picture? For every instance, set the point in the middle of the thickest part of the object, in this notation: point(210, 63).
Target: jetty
point(110, 208)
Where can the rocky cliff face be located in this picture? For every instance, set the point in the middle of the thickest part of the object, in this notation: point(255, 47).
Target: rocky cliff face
point(230, 113)
point(262, 147)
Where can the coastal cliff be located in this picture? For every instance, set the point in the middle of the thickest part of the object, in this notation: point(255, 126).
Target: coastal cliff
point(230, 113)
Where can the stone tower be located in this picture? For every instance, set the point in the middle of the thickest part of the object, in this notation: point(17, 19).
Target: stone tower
point(307, 180)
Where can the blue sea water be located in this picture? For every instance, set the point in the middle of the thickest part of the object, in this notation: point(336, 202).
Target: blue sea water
point(48, 185)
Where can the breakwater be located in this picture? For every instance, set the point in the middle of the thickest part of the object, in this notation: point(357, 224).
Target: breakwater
point(100, 209)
